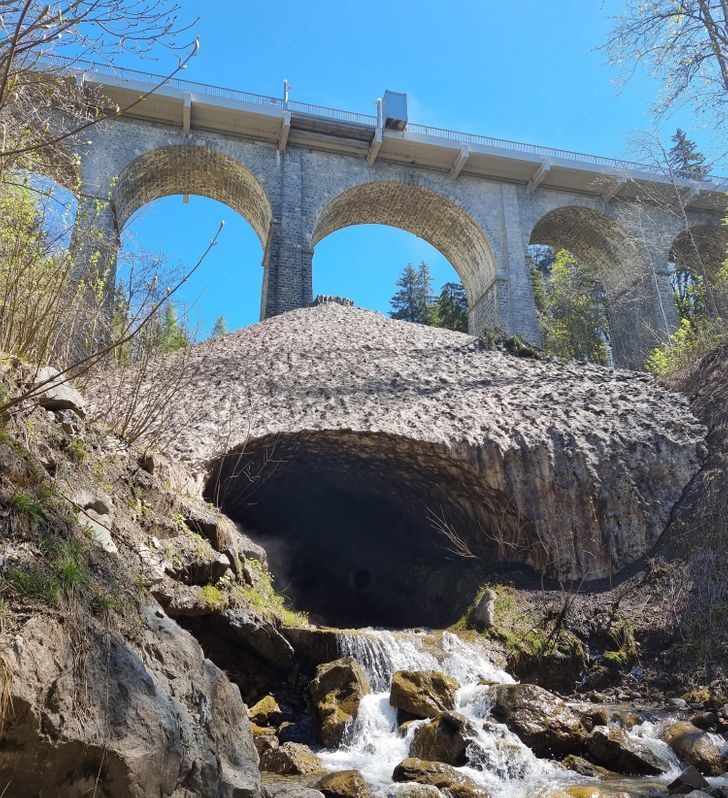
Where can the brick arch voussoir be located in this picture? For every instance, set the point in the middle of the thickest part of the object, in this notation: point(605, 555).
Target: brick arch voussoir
point(191, 169)
point(423, 212)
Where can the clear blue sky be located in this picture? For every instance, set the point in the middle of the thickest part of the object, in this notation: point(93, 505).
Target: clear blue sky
point(526, 71)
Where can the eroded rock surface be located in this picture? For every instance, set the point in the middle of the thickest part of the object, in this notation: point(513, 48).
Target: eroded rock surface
point(422, 694)
point(440, 775)
point(336, 691)
point(579, 464)
point(146, 728)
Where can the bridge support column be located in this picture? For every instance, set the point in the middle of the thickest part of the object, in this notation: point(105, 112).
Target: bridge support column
point(287, 281)
point(95, 244)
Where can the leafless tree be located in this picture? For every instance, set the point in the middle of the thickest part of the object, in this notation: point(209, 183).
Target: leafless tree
point(684, 43)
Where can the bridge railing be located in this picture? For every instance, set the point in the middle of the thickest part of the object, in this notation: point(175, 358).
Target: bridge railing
point(75, 66)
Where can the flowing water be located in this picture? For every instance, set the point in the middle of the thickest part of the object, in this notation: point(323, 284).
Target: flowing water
point(497, 759)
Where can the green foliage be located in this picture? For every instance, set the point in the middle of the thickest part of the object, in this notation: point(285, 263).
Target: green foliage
point(27, 504)
point(214, 597)
point(684, 158)
point(77, 450)
point(690, 293)
point(220, 328)
point(691, 341)
point(451, 308)
point(571, 307)
point(263, 597)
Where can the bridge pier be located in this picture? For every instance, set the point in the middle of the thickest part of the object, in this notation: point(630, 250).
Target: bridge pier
point(95, 244)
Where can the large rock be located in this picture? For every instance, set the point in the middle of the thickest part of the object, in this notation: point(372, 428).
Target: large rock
point(440, 775)
point(336, 690)
point(342, 784)
point(156, 718)
point(290, 759)
point(57, 392)
point(422, 694)
point(265, 712)
point(614, 749)
point(697, 748)
point(444, 739)
point(587, 462)
point(543, 721)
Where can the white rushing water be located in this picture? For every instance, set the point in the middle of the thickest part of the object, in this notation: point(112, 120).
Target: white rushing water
point(497, 759)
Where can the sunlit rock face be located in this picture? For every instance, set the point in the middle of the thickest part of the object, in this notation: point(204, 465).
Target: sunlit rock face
point(374, 456)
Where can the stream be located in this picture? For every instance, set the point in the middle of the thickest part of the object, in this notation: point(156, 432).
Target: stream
point(496, 758)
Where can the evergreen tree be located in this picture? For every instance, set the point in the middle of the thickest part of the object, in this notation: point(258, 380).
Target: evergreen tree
point(451, 308)
point(685, 159)
point(571, 309)
point(220, 328)
point(171, 333)
point(413, 300)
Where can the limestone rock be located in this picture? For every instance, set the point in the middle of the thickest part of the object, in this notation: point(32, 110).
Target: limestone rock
point(290, 759)
point(444, 739)
point(697, 748)
point(266, 712)
point(580, 765)
point(289, 789)
point(541, 719)
point(614, 749)
point(58, 394)
point(336, 691)
point(98, 526)
point(164, 731)
point(482, 616)
point(439, 775)
point(413, 790)
point(258, 635)
point(342, 784)
point(690, 779)
point(423, 694)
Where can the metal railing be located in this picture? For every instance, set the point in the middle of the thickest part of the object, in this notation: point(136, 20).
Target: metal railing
point(75, 66)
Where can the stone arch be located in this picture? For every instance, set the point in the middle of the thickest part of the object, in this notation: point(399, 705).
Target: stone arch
point(423, 212)
point(618, 261)
point(701, 248)
point(184, 169)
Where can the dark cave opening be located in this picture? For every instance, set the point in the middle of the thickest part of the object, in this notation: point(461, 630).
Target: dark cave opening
point(348, 522)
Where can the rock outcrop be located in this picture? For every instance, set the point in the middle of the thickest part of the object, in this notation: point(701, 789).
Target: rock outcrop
point(570, 468)
point(155, 718)
point(440, 775)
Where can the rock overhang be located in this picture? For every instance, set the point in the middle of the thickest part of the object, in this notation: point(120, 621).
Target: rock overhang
point(569, 468)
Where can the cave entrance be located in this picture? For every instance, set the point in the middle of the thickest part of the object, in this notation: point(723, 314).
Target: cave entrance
point(352, 524)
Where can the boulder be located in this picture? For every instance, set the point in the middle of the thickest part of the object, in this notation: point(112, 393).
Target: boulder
point(336, 690)
point(690, 779)
point(58, 393)
point(582, 766)
point(290, 759)
point(158, 718)
point(266, 712)
point(439, 775)
point(543, 721)
point(342, 784)
point(258, 635)
point(422, 694)
point(444, 739)
point(413, 790)
point(482, 615)
point(99, 528)
point(264, 739)
point(614, 749)
point(697, 748)
point(288, 789)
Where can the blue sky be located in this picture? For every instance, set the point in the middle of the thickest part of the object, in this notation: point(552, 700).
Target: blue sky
point(527, 71)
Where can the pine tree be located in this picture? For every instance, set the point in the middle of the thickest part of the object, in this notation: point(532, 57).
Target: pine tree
point(414, 297)
point(685, 159)
point(172, 335)
point(220, 328)
point(451, 308)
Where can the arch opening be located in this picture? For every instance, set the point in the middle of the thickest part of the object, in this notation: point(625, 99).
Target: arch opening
point(602, 246)
point(696, 260)
point(424, 213)
point(365, 529)
point(169, 234)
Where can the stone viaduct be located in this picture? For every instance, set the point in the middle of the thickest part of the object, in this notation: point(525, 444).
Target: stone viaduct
point(298, 172)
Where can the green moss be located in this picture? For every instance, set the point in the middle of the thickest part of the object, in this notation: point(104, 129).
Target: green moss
point(264, 599)
point(214, 597)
